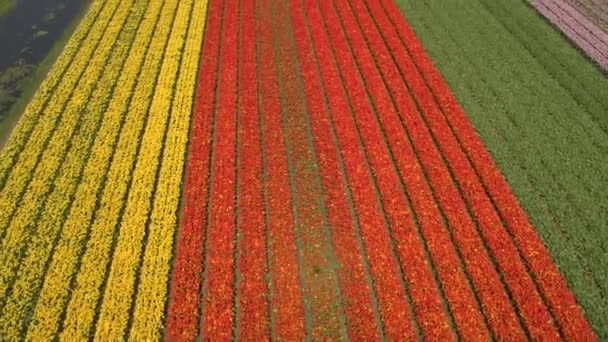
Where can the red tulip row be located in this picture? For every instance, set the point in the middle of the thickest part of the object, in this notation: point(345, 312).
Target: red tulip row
point(336, 143)
point(479, 178)
point(219, 276)
point(378, 126)
point(459, 296)
point(287, 308)
point(521, 285)
point(182, 322)
point(252, 289)
point(485, 280)
point(317, 257)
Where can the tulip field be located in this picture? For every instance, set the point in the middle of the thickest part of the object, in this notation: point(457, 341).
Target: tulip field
point(310, 170)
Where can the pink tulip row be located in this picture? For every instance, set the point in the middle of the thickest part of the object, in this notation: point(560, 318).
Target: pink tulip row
point(590, 38)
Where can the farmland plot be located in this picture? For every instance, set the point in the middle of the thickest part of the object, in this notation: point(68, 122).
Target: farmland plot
point(261, 170)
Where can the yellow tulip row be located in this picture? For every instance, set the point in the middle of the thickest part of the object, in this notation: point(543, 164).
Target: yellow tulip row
point(51, 302)
point(154, 274)
point(115, 309)
point(21, 172)
point(87, 294)
point(66, 60)
point(16, 212)
point(90, 181)
point(47, 227)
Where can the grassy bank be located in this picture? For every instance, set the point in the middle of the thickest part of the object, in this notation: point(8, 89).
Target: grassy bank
point(540, 107)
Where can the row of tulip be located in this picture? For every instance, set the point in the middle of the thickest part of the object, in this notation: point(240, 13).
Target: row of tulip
point(183, 314)
point(383, 139)
point(285, 290)
point(74, 198)
point(252, 316)
point(139, 83)
point(496, 223)
point(318, 267)
point(149, 309)
point(218, 282)
point(478, 265)
point(427, 165)
point(483, 213)
point(13, 239)
point(15, 202)
point(212, 144)
point(354, 277)
point(64, 101)
point(72, 153)
point(510, 238)
point(86, 296)
point(133, 236)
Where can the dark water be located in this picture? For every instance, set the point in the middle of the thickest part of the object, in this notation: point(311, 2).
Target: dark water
point(27, 34)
